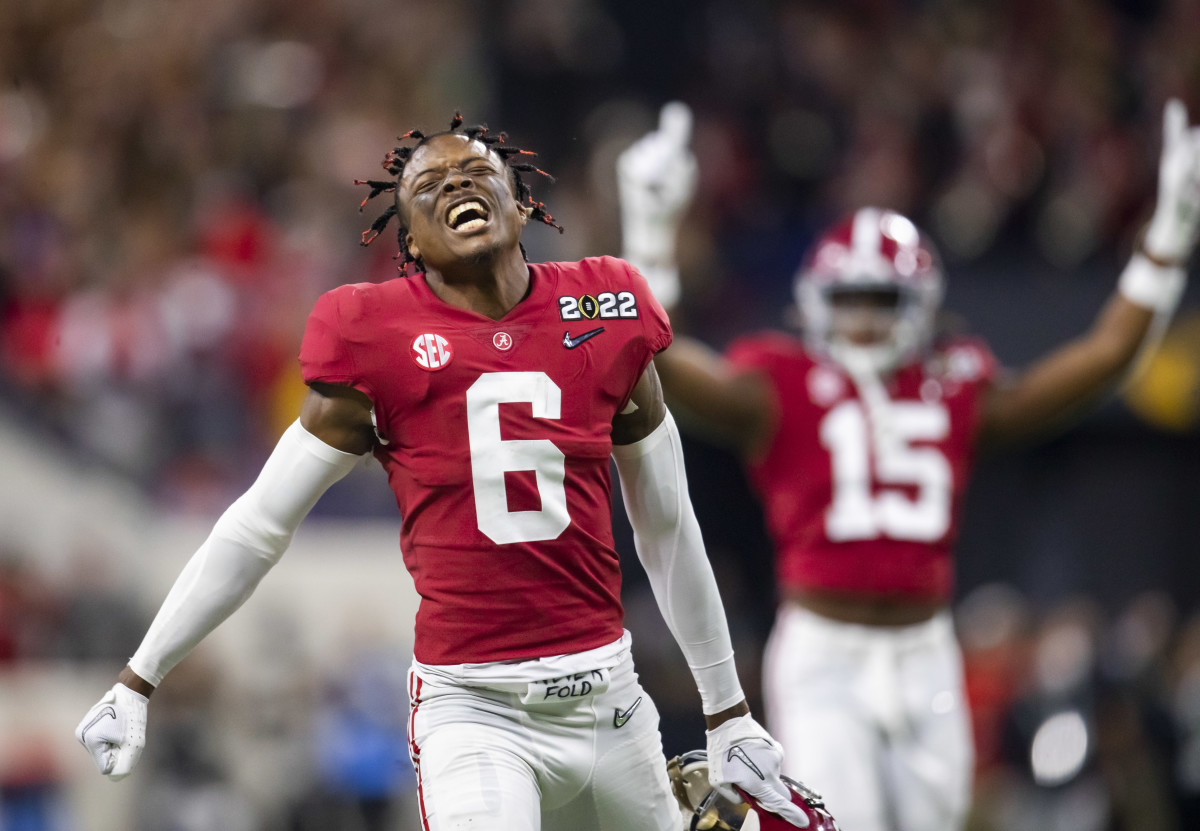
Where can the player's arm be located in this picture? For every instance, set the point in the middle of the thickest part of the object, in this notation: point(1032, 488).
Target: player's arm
point(727, 404)
point(1079, 373)
point(1066, 382)
point(649, 459)
point(656, 178)
point(339, 416)
point(249, 538)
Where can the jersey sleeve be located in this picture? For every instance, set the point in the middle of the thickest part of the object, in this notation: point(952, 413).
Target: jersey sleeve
point(656, 324)
point(324, 353)
point(969, 360)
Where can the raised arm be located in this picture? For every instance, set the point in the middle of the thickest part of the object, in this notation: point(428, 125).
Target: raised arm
point(1070, 379)
point(248, 539)
point(729, 405)
point(1078, 374)
point(656, 178)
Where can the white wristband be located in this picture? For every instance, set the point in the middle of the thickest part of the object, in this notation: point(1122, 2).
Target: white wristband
point(1152, 286)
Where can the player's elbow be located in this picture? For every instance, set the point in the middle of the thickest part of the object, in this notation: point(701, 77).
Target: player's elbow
point(254, 530)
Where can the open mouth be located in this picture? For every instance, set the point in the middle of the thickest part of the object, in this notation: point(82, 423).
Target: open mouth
point(467, 216)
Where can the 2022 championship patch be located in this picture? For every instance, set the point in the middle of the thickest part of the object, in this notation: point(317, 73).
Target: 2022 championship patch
point(606, 305)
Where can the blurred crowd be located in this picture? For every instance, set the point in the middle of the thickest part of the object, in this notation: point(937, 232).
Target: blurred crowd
point(1082, 720)
point(176, 177)
point(176, 189)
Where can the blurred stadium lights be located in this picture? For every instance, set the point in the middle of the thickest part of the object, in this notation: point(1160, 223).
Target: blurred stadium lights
point(1060, 748)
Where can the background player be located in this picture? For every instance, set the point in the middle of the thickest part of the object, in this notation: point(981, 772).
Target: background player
point(859, 438)
point(494, 410)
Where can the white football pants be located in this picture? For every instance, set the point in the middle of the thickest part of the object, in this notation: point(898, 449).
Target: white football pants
point(485, 760)
point(873, 717)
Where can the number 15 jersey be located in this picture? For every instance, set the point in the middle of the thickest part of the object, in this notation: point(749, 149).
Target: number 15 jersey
point(498, 435)
point(854, 509)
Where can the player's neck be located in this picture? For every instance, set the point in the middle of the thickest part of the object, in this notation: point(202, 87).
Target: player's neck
point(490, 289)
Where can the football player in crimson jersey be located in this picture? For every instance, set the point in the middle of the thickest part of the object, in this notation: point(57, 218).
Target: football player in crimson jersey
point(859, 437)
point(494, 392)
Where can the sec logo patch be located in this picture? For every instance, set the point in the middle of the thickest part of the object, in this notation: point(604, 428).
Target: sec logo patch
point(431, 352)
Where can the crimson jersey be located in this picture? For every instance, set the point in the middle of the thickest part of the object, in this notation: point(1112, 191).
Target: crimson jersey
point(498, 439)
point(857, 510)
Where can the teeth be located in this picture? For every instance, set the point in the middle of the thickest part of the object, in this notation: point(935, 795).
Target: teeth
point(457, 210)
point(471, 225)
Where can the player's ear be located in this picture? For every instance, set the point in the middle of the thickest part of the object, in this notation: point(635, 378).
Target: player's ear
point(525, 211)
point(411, 243)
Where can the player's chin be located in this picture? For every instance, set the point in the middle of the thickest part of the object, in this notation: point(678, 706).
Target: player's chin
point(482, 246)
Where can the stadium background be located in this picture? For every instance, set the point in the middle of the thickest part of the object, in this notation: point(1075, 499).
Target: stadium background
point(175, 192)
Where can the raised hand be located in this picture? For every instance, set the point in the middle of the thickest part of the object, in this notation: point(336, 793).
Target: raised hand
point(656, 180)
point(1171, 235)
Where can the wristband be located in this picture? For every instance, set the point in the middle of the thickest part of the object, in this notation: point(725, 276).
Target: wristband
point(1152, 286)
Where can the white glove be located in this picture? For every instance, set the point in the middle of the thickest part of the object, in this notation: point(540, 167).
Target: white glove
point(114, 731)
point(656, 180)
point(742, 754)
point(1171, 235)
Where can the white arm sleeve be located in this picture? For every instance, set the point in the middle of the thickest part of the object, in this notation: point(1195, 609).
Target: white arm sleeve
point(246, 541)
point(667, 537)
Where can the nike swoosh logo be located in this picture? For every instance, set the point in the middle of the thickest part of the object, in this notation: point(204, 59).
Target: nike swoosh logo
point(620, 718)
point(107, 711)
point(571, 342)
point(736, 752)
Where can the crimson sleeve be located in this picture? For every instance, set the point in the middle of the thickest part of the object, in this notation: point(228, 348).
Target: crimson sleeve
point(655, 323)
point(969, 360)
point(324, 354)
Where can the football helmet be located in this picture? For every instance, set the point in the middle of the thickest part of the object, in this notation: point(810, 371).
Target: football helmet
point(881, 252)
point(704, 808)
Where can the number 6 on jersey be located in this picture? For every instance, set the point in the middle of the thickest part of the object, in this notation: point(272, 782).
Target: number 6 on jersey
point(492, 457)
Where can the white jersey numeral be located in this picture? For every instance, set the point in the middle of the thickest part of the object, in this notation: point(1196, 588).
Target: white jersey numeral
point(492, 456)
point(866, 507)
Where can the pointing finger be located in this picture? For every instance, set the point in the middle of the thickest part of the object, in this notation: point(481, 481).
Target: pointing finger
point(675, 122)
point(1174, 123)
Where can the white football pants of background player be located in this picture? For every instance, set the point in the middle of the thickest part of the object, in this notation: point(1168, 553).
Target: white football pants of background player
point(539, 745)
point(875, 715)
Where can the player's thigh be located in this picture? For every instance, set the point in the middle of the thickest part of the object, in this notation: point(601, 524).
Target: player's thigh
point(931, 789)
point(628, 789)
point(474, 765)
point(808, 680)
point(830, 740)
point(837, 753)
point(932, 765)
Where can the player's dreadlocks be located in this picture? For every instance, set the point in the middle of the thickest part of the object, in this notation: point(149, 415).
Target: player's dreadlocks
point(398, 156)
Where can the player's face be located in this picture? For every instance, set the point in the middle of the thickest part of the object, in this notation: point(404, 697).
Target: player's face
point(457, 200)
point(864, 317)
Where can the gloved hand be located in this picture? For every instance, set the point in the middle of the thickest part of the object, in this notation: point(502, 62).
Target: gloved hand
point(114, 731)
point(656, 180)
point(742, 755)
point(1171, 235)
